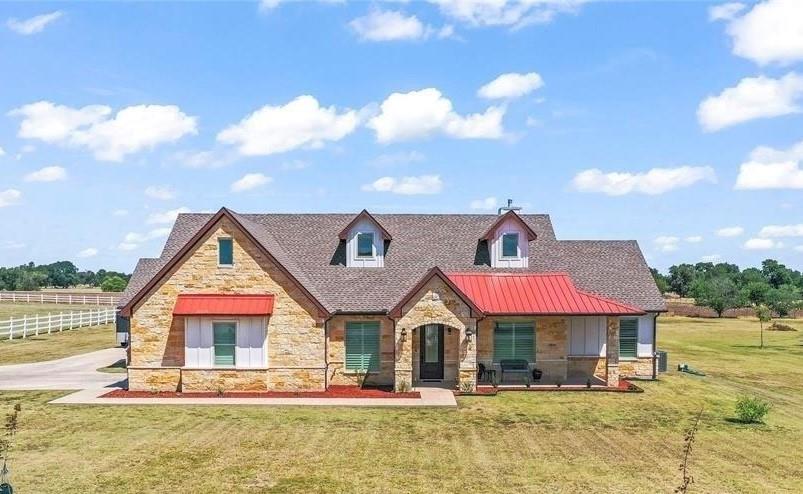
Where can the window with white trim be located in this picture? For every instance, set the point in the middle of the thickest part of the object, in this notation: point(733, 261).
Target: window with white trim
point(365, 244)
point(224, 343)
point(510, 245)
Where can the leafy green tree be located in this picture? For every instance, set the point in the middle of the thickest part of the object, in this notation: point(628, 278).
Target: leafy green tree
point(784, 299)
point(30, 281)
point(113, 284)
point(62, 274)
point(660, 280)
point(719, 293)
point(681, 278)
point(776, 273)
point(755, 292)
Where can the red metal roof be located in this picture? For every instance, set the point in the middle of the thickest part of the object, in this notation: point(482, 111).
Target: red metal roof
point(534, 293)
point(223, 305)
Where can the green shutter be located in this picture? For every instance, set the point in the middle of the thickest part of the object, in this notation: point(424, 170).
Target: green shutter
point(628, 337)
point(225, 250)
point(362, 345)
point(514, 340)
point(224, 337)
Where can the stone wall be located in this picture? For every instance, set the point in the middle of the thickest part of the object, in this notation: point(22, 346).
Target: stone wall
point(612, 349)
point(224, 379)
point(296, 341)
point(337, 351)
point(149, 379)
point(640, 367)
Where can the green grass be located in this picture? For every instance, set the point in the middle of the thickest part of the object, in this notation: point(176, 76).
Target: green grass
point(8, 309)
point(514, 442)
point(57, 345)
point(118, 367)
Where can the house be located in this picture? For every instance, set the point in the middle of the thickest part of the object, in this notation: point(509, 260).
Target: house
point(253, 302)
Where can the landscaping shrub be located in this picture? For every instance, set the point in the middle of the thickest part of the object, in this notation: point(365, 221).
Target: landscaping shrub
point(752, 410)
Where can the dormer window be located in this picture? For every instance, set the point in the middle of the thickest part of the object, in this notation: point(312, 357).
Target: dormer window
point(510, 245)
point(365, 244)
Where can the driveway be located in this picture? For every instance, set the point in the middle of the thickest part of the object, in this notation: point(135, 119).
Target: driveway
point(77, 372)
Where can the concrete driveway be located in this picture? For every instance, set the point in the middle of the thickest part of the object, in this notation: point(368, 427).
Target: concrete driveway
point(77, 372)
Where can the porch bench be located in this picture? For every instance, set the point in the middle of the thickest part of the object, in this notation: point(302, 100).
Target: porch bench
point(515, 366)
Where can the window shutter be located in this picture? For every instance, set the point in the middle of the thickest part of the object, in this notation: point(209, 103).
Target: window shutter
point(628, 337)
point(514, 341)
point(362, 345)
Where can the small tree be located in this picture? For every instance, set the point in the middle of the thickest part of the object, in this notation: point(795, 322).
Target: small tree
point(113, 284)
point(7, 440)
point(764, 314)
point(688, 446)
point(719, 293)
point(784, 299)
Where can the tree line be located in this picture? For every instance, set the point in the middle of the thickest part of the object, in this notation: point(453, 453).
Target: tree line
point(62, 274)
point(724, 286)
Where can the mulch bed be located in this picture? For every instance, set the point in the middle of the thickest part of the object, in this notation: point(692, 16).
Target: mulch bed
point(332, 392)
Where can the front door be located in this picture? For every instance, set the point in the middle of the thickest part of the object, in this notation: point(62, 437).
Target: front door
point(431, 354)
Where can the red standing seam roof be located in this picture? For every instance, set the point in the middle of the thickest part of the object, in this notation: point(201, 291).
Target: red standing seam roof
point(534, 293)
point(208, 304)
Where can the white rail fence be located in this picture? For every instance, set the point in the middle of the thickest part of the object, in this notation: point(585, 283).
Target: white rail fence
point(60, 298)
point(38, 324)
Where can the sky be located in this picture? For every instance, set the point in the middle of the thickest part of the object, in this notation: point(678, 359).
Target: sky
point(677, 124)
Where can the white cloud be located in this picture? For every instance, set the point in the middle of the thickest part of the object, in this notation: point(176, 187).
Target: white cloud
point(34, 25)
point(380, 25)
point(514, 13)
point(12, 245)
point(489, 203)
point(769, 168)
point(762, 244)
point(47, 174)
point(250, 181)
point(422, 113)
point(511, 85)
point(423, 184)
point(751, 98)
point(771, 32)
point(9, 197)
point(120, 212)
point(88, 252)
point(213, 158)
point(730, 231)
point(127, 246)
point(711, 258)
point(300, 123)
point(396, 159)
point(725, 11)
point(653, 182)
point(781, 231)
point(268, 5)
point(93, 127)
point(2, 151)
point(133, 240)
point(694, 239)
point(798, 248)
point(667, 243)
point(166, 216)
point(161, 192)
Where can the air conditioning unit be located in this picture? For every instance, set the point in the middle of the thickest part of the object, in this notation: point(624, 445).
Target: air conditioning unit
point(663, 360)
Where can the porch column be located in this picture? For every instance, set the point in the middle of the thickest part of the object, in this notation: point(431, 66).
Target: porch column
point(403, 367)
point(467, 372)
point(612, 352)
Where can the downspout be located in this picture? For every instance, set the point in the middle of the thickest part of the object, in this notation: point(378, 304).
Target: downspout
point(655, 346)
point(326, 353)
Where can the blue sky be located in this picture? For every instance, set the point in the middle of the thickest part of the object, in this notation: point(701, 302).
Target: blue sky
point(664, 122)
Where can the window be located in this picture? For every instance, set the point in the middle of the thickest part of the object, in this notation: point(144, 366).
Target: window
point(510, 245)
point(362, 346)
point(224, 338)
point(365, 245)
point(514, 340)
point(225, 252)
point(628, 337)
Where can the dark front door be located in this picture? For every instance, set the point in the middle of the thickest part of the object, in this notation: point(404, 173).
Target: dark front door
point(431, 352)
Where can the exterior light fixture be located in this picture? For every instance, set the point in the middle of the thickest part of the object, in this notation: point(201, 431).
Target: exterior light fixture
point(404, 335)
point(469, 334)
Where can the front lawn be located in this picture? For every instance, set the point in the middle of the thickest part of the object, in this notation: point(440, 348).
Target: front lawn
point(56, 345)
point(8, 309)
point(514, 442)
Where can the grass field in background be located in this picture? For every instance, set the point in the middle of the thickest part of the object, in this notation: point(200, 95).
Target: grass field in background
point(57, 345)
point(8, 309)
point(514, 442)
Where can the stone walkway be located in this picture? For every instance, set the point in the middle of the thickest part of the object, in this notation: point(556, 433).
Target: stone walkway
point(430, 397)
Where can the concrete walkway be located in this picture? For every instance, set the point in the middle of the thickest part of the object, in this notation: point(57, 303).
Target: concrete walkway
point(430, 397)
point(77, 372)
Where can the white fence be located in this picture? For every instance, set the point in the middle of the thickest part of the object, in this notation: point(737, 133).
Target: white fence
point(60, 298)
point(25, 326)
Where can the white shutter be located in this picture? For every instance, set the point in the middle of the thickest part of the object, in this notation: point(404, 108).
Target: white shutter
point(192, 341)
point(257, 335)
point(205, 354)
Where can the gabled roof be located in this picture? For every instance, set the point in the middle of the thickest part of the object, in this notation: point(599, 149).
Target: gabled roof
point(435, 273)
point(255, 233)
point(534, 294)
point(510, 215)
point(364, 214)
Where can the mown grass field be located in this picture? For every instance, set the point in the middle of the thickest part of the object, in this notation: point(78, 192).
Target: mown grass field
point(8, 309)
point(56, 345)
point(514, 442)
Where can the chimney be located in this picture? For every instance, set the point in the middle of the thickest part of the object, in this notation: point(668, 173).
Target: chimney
point(509, 207)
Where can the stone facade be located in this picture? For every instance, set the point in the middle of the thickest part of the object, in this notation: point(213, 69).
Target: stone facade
point(336, 351)
point(612, 349)
point(296, 340)
point(641, 367)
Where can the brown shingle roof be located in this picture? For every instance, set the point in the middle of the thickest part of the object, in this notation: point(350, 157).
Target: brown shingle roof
point(308, 246)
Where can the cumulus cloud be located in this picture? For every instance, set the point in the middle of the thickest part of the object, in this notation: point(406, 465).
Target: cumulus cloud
point(166, 217)
point(667, 243)
point(750, 99)
point(694, 239)
point(762, 244)
point(2, 151)
point(768, 168)
point(12, 245)
point(770, 32)
point(88, 252)
point(422, 113)
point(730, 231)
point(511, 85)
point(34, 25)
point(781, 231)
point(379, 25)
point(9, 197)
point(250, 181)
point(711, 258)
point(653, 182)
point(423, 184)
point(300, 123)
point(725, 11)
point(161, 192)
point(133, 240)
point(109, 138)
point(512, 13)
point(489, 203)
point(47, 174)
